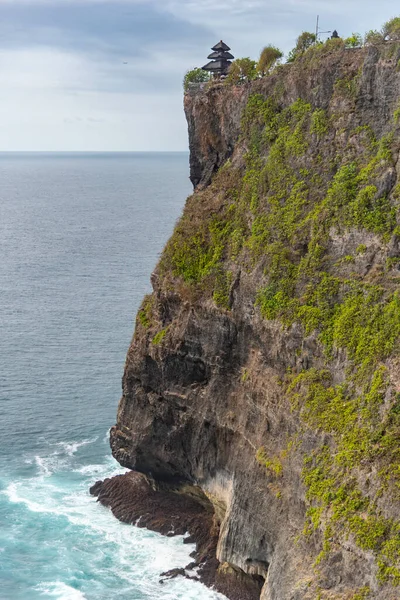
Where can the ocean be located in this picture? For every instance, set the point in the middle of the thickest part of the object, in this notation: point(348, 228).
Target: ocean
point(79, 237)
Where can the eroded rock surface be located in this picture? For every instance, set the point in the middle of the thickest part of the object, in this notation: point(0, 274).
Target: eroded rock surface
point(133, 499)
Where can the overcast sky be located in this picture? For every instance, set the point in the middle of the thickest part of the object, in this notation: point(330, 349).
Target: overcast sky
point(64, 84)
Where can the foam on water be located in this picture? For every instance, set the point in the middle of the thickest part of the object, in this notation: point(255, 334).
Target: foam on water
point(72, 447)
point(57, 589)
point(42, 466)
point(58, 459)
point(85, 542)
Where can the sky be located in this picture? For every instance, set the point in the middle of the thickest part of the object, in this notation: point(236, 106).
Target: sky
point(106, 75)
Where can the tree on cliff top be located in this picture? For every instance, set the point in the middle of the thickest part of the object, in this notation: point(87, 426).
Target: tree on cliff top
point(391, 29)
point(269, 57)
point(303, 42)
point(354, 41)
point(242, 70)
point(196, 75)
point(373, 37)
point(389, 32)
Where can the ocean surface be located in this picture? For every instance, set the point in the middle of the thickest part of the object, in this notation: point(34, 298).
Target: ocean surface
point(79, 237)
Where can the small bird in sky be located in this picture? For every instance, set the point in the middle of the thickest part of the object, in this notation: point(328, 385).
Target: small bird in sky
point(125, 63)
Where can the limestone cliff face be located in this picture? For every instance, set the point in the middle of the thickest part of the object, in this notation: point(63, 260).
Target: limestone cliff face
point(264, 370)
point(214, 127)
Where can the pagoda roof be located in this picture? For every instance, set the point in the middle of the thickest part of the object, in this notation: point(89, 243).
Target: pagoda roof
point(221, 54)
point(221, 46)
point(217, 65)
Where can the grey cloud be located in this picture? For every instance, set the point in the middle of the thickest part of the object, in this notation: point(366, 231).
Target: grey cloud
point(99, 27)
point(109, 33)
point(65, 85)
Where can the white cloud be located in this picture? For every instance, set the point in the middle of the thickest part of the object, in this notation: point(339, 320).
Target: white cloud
point(49, 102)
point(43, 69)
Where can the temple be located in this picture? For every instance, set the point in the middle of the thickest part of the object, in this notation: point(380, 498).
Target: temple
point(221, 60)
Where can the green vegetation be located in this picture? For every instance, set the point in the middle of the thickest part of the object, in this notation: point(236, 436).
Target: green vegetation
point(348, 86)
point(273, 465)
point(303, 183)
point(307, 46)
point(362, 594)
point(389, 32)
point(245, 376)
point(303, 42)
point(241, 71)
point(396, 115)
point(196, 257)
point(391, 29)
point(354, 41)
point(319, 122)
point(222, 288)
point(145, 312)
point(159, 337)
point(373, 37)
point(269, 57)
point(196, 75)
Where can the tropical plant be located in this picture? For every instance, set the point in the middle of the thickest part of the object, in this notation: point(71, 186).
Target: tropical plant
point(195, 75)
point(354, 41)
point(373, 37)
point(303, 42)
point(391, 29)
point(269, 57)
point(242, 70)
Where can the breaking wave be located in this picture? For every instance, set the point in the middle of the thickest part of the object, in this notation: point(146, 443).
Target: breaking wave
point(78, 550)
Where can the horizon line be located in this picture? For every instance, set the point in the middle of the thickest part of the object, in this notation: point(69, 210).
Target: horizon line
point(94, 151)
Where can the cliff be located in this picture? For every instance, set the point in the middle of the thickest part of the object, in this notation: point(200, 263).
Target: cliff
point(263, 378)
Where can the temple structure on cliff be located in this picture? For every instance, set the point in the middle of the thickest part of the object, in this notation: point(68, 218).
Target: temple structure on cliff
point(221, 59)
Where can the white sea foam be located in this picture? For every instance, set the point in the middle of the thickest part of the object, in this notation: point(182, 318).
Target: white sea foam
point(106, 438)
point(88, 536)
point(59, 590)
point(70, 448)
point(59, 459)
point(102, 471)
point(13, 494)
point(43, 466)
point(90, 470)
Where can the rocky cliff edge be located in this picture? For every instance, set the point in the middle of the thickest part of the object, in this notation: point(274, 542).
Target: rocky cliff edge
point(263, 378)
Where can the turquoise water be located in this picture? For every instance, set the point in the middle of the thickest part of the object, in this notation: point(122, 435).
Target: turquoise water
point(79, 237)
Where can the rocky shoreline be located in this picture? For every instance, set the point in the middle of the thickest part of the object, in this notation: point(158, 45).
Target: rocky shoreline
point(134, 499)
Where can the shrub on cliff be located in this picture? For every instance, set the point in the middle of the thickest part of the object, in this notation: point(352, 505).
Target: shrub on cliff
point(391, 29)
point(196, 75)
point(354, 41)
point(373, 37)
point(242, 70)
point(320, 49)
point(303, 42)
point(269, 57)
point(390, 32)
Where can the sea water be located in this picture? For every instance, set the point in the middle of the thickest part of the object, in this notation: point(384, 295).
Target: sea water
point(79, 237)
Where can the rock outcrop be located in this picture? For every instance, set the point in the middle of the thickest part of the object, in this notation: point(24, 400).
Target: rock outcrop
point(264, 372)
